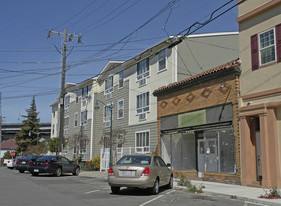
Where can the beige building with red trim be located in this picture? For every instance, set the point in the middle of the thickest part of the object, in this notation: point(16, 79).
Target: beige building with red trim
point(260, 97)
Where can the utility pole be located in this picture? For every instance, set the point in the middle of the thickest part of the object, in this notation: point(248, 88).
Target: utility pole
point(0, 127)
point(62, 92)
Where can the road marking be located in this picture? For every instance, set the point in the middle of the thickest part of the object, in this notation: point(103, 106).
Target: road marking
point(246, 203)
point(170, 192)
point(151, 200)
point(91, 192)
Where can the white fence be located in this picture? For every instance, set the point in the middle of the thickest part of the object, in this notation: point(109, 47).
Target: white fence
point(116, 155)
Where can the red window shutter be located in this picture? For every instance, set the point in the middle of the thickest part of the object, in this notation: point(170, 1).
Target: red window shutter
point(255, 52)
point(278, 42)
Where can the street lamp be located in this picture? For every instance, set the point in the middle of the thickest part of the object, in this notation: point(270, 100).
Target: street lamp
point(110, 137)
point(37, 133)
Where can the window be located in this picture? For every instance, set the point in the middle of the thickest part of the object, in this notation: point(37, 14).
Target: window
point(54, 109)
point(142, 71)
point(120, 108)
point(84, 117)
point(162, 60)
point(53, 129)
point(142, 105)
point(108, 87)
point(82, 148)
point(106, 116)
point(66, 125)
point(66, 105)
point(85, 91)
point(142, 142)
point(77, 97)
point(121, 79)
point(266, 47)
point(76, 119)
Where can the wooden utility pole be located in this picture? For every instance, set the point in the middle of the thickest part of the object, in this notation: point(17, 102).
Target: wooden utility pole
point(63, 92)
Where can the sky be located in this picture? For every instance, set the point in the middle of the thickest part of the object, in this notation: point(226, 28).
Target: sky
point(30, 63)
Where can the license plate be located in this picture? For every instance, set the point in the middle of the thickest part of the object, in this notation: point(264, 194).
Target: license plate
point(127, 173)
point(36, 170)
point(23, 163)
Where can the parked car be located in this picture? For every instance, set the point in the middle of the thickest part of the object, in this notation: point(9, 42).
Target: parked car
point(10, 163)
point(140, 171)
point(23, 162)
point(53, 164)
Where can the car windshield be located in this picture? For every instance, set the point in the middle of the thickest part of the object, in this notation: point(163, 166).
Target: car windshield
point(48, 158)
point(142, 160)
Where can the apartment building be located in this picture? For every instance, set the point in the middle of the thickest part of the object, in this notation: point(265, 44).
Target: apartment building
point(260, 98)
point(125, 88)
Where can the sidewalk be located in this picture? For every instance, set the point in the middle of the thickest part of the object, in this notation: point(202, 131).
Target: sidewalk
point(248, 194)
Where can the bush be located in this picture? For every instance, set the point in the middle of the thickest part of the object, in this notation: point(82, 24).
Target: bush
point(183, 181)
point(273, 193)
point(93, 164)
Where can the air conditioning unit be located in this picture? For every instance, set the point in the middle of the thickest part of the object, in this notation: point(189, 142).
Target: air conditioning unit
point(142, 116)
point(142, 82)
point(108, 96)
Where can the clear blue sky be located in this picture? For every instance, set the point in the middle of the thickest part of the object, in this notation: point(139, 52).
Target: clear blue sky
point(30, 63)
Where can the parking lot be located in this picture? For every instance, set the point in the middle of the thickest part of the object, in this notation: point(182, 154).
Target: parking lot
point(24, 189)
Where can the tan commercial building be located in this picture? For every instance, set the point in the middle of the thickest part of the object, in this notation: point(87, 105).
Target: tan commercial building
point(260, 97)
point(198, 124)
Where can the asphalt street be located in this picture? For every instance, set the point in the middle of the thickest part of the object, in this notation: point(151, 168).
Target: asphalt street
point(45, 190)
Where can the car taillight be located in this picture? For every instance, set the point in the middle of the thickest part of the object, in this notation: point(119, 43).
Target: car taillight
point(14, 160)
point(18, 161)
point(145, 172)
point(110, 172)
point(31, 163)
point(45, 164)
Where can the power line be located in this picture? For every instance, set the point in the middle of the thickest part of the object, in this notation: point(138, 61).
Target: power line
point(76, 14)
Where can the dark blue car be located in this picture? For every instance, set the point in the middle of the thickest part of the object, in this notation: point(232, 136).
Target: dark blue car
point(56, 165)
point(23, 162)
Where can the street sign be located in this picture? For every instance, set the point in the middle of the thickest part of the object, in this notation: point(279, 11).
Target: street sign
point(12, 154)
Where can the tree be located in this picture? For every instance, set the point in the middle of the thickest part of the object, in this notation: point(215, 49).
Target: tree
point(53, 145)
point(77, 142)
point(118, 140)
point(28, 133)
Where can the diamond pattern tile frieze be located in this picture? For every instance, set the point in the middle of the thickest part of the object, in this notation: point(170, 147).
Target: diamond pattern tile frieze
point(176, 101)
point(163, 104)
point(190, 97)
point(206, 93)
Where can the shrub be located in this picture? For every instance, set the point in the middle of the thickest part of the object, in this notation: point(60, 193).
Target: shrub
point(183, 181)
point(273, 193)
point(93, 164)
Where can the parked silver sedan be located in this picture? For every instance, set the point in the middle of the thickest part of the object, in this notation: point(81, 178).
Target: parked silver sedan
point(140, 171)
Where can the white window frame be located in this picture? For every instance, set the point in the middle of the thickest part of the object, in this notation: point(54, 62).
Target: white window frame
point(85, 121)
point(143, 75)
point(272, 45)
point(144, 109)
point(76, 119)
point(106, 115)
point(162, 59)
point(67, 103)
point(77, 97)
point(54, 110)
point(118, 109)
point(121, 79)
point(108, 90)
point(142, 149)
point(66, 127)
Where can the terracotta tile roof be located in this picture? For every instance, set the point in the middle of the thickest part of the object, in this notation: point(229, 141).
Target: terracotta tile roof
point(235, 64)
point(9, 144)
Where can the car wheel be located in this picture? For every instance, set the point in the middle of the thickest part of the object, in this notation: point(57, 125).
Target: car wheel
point(21, 171)
point(58, 172)
point(115, 190)
point(34, 173)
point(170, 185)
point(155, 188)
point(76, 171)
